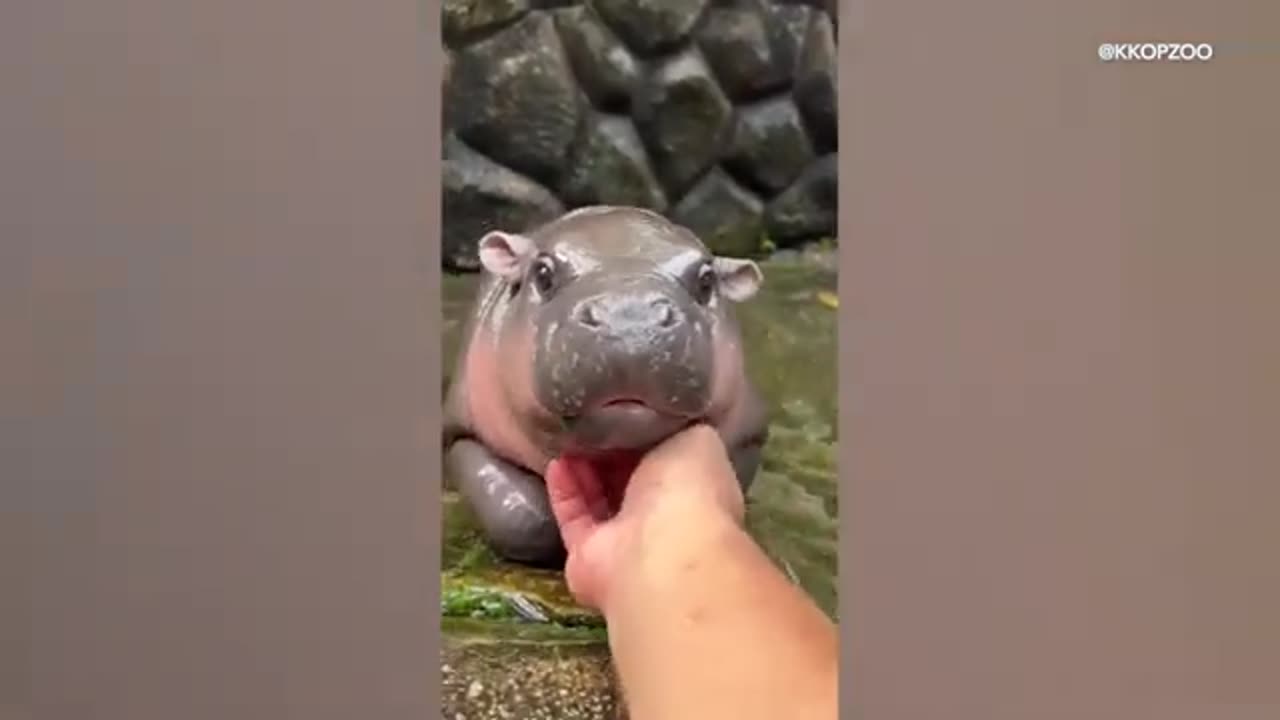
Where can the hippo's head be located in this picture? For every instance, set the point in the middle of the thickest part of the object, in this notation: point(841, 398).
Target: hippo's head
point(614, 328)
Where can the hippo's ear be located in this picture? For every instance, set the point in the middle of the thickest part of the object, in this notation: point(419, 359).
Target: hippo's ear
point(739, 278)
point(506, 255)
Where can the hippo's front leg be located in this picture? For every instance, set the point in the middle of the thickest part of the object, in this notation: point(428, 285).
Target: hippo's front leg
point(510, 503)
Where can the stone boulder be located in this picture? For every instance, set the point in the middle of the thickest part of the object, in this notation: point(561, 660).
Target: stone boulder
point(609, 166)
point(481, 195)
point(808, 209)
point(461, 20)
point(770, 147)
point(513, 95)
point(727, 216)
point(684, 118)
point(737, 45)
point(607, 70)
point(815, 84)
point(651, 26)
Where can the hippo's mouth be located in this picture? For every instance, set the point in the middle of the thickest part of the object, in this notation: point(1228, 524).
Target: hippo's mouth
point(621, 423)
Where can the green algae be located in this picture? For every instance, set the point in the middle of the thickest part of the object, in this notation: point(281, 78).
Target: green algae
point(508, 592)
point(465, 600)
point(464, 548)
point(792, 507)
point(484, 631)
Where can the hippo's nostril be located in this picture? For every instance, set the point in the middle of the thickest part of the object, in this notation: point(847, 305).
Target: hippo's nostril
point(587, 315)
point(668, 316)
point(666, 312)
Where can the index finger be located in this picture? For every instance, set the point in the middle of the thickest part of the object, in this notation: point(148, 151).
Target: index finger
point(569, 503)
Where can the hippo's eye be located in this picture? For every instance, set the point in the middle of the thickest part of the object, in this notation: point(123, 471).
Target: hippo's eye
point(705, 286)
point(544, 276)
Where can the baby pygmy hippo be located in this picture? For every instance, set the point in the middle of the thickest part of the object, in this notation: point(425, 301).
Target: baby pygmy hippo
point(602, 332)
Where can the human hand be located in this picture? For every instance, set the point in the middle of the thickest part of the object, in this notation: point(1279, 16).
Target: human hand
point(604, 510)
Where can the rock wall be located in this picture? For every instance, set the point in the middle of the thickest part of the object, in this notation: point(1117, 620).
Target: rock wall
point(720, 114)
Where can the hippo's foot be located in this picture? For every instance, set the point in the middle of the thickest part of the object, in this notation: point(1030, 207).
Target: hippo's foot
point(510, 504)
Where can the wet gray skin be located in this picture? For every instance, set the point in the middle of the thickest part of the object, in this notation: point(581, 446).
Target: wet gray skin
point(602, 332)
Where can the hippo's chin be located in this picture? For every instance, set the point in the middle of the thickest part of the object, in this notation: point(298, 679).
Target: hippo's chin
point(622, 425)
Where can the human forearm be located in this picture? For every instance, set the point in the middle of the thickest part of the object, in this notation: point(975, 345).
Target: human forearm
point(703, 625)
